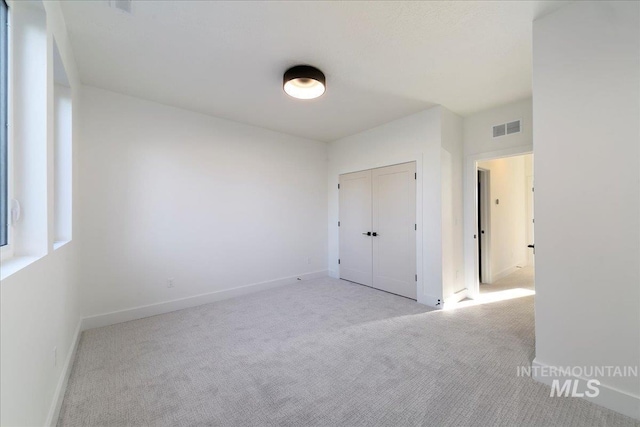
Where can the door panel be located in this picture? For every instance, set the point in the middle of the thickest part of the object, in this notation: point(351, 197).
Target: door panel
point(355, 218)
point(484, 225)
point(394, 219)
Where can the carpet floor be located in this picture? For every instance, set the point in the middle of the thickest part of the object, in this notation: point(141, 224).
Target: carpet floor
point(319, 353)
point(522, 278)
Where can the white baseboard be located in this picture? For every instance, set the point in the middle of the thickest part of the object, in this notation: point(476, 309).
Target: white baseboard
point(140, 312)
point(456, 298)
point(609, 397)
point(504, 273)
point(58, 396)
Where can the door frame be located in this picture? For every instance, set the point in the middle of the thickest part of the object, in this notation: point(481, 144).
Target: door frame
point(484, 224)
point(470, 194)
point(418, 159)
point(531, 215)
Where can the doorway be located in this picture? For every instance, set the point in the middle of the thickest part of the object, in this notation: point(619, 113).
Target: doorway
point(504, 202)
point(377, 228)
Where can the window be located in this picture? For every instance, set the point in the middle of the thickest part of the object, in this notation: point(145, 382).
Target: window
point(4, 107)
point(26, 142)
point(62, 162)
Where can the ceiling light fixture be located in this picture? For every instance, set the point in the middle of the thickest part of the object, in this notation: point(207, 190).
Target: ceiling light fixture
point(304, 82)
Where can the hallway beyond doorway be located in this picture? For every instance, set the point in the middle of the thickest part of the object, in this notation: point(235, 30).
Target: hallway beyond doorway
point(522, 278)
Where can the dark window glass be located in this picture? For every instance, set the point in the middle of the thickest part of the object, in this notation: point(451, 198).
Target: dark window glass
point(4, 164)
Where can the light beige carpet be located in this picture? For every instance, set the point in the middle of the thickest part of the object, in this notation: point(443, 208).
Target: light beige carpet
point(319, 353)
point(522, 278)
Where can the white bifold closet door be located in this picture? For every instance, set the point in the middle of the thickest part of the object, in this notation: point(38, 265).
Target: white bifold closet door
point(356, 250)
point(377, 228)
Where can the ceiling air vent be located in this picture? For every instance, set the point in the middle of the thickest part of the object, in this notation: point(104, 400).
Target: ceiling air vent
point(122, 5)
point(507, 128)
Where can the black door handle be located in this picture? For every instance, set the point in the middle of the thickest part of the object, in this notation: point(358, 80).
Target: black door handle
point(368, 233)
point(374, 234)
point(531, 246)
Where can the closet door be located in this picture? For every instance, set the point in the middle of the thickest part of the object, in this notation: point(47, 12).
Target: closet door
point(394, 219)
point(355, 222)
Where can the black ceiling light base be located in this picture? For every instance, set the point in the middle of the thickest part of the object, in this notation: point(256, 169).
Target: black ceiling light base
point(304, 82)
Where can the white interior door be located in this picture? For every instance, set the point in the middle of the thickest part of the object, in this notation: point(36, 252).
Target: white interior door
point(355, 222)
point(484, 225)
point(394, 223)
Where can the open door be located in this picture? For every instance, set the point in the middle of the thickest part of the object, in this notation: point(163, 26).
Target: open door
point(484, 226)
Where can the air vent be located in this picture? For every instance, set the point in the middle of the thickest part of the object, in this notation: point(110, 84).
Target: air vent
point(507, 128)
point(499, 130)
point(513, 127)
point(122, 5)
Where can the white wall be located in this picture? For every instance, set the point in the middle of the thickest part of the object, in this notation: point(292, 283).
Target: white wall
point(452, 222)
point(418, 138)
point(39, 307)
point(586, 68)
point(508, 219)
point(211, 203)
point(39, 311)
point(477, 128)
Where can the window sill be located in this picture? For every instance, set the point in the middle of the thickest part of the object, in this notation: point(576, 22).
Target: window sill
point(61, 243)
point(12, 265)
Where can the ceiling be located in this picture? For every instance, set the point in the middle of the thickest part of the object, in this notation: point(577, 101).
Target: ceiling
point(383, 60)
